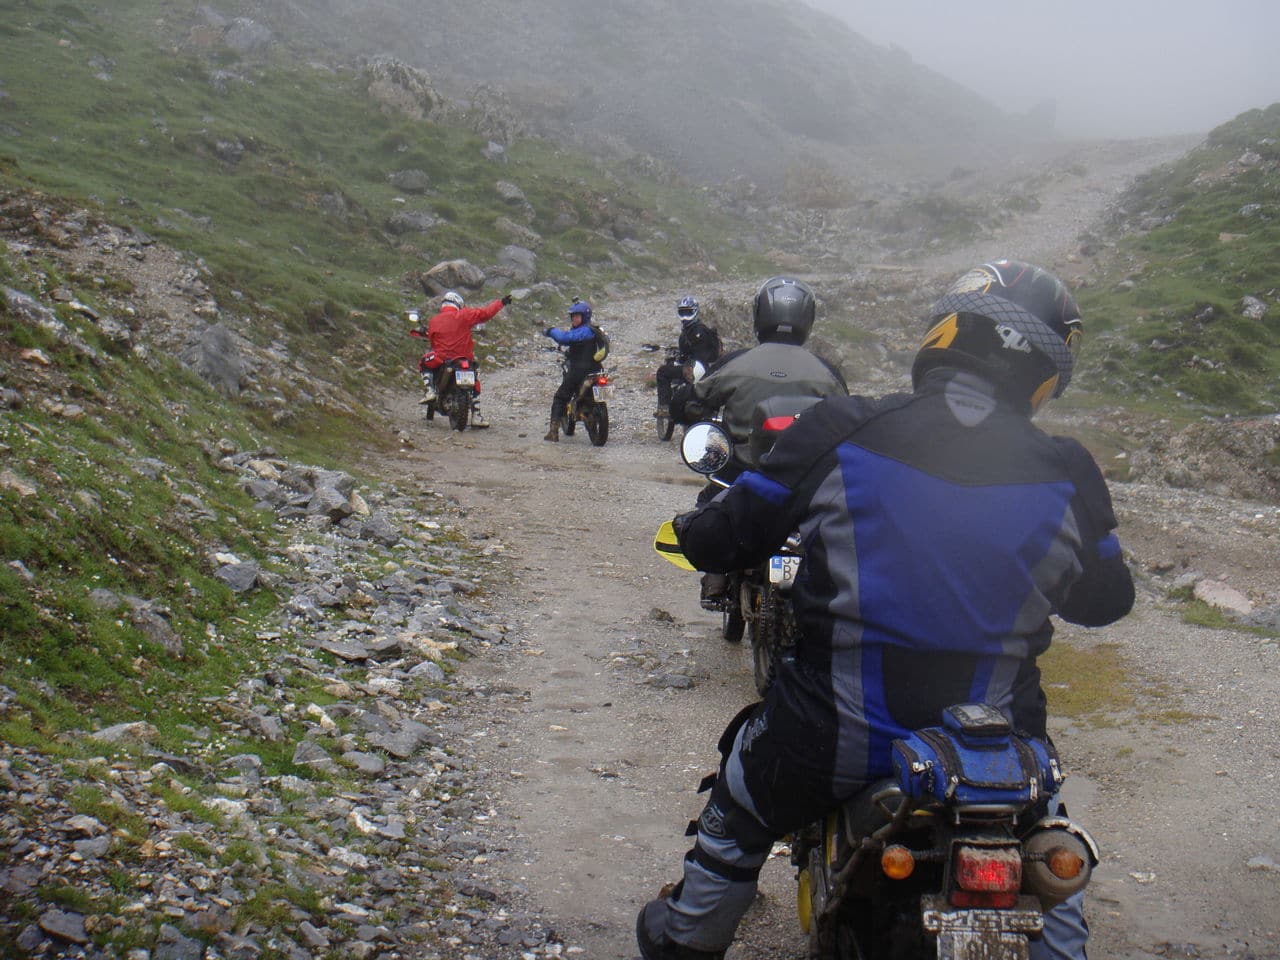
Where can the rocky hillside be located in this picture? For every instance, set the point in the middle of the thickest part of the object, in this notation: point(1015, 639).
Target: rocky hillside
point(739, 88)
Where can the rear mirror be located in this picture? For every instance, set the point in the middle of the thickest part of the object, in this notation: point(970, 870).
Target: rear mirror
point(706, 448)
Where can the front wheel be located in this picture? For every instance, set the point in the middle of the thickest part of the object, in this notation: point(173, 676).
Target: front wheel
point(597, 424)
point(664, 425)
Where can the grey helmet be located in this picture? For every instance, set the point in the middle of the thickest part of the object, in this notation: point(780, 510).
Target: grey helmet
point(784, 311)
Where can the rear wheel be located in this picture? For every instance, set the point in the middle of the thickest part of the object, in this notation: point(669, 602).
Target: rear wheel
point(459, 408)
point(597, 424)
point(762, 664)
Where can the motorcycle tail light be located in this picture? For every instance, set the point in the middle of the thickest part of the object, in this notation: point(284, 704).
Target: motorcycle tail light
point(988, 869)
point(778, 424)
point(989, 901)
point(897, 862)
point(602, 380)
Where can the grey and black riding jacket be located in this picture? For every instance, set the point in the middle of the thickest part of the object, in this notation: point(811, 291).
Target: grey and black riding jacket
point(941, 530)
point(740, 380)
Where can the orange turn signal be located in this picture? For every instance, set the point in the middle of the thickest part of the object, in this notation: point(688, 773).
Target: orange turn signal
point(1064, 864)
point(897, 862)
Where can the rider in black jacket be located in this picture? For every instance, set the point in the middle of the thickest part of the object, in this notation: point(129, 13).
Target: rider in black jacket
point(941, 530)
point(697, 342)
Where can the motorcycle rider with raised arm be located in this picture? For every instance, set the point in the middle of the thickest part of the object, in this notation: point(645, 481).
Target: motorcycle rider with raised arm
point(941, 531)
point(450, 334)
point(698, 342)
point(782, 315)
point(580, 343)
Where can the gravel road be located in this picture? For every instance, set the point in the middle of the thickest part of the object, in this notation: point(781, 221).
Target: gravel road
point(612, 696)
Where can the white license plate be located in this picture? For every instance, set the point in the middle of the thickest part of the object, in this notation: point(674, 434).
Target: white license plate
point(783, 569)
point(464, 378)
point(602, 394)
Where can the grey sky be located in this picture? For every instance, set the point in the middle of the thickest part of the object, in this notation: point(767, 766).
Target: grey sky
point(1117, 68)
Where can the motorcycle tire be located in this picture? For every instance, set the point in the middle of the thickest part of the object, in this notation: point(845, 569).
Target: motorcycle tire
point(762, 665)
point(665, 427)
point(431, 411)
point(568, 424)
point(459, 410)
point(597, 424)
point(733, 624)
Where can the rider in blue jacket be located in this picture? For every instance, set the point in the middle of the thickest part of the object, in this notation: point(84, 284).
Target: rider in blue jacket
point(941, 531)
point(580, 341)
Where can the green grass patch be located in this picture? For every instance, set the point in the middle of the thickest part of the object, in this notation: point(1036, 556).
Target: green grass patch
point(1169, 306)
point(1086, 682)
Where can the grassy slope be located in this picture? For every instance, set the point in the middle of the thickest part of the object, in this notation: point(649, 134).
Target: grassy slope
point(140, 148)
point(144, 142)
point(1167, 325)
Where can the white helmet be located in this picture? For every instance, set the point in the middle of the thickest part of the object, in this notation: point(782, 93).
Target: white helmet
point(454, 300)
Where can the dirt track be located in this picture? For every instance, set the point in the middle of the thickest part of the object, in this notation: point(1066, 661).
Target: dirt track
point(602, 715)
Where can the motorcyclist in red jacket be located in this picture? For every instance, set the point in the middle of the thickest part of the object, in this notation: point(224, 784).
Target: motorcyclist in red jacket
point(450, 334)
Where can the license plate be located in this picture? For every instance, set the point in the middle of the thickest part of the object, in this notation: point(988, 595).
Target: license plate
point(974, 934)
point(602, 394)
point(464, 378)
point(783, 569)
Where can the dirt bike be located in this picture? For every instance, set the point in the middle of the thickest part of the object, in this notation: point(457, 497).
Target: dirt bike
point(953, 857)
point(674, 361)
point(756, 601)
point(455, 383)
point(590, 405)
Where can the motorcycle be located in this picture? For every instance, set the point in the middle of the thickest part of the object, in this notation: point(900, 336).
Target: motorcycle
point(590, 405)
point(756, 601)
point(674, 362)
point(455, 382)
point(953, 857)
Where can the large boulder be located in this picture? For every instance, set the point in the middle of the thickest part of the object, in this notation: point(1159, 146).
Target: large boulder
point(452, 274)
point(400, 88)
point(518, 263)
point(215, 356)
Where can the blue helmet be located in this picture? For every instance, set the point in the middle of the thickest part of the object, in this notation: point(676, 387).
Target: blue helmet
point(687, 309)
point(582, 307)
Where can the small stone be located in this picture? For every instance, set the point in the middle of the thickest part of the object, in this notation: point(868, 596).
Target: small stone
point(64, 925)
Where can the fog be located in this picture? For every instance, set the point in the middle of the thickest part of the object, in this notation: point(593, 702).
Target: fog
point(1114, 68)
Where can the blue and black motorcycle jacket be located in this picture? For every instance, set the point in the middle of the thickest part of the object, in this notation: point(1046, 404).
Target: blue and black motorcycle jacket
point(941, 530)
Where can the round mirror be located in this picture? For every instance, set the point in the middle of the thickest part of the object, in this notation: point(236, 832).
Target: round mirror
point(706, 448)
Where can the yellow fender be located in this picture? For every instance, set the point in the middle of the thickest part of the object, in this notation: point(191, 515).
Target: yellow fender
point(668, 547)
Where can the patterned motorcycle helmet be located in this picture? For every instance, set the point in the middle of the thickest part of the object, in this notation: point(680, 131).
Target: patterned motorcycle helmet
point(687, 309)
point(453, 299)
point(1013, 323)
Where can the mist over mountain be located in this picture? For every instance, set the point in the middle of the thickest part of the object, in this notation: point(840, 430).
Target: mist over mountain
point(735, 88)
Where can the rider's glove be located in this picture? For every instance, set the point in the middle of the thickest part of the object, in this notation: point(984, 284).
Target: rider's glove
point(680, 523)
point(506, 300)
point(547, 332)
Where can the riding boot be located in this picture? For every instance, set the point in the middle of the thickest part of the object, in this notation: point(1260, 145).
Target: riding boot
point(714, 588)
point(478, 421)
point(553, 432)
point(428, 388)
